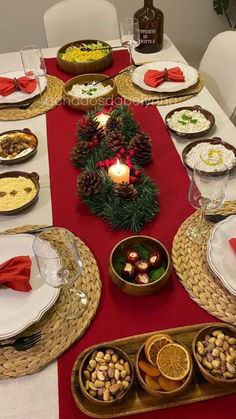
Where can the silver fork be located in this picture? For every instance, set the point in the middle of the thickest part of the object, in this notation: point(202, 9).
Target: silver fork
point(24, 342)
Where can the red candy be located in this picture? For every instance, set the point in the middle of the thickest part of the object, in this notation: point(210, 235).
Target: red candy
point(142, 266)
point(128, 270)
point(142, 279)
point(132, 256)
point(155, 259)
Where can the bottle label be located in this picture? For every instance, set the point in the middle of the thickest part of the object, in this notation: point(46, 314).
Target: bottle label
point(147, 36)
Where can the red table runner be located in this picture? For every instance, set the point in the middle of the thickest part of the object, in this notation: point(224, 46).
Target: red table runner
point(120, 315)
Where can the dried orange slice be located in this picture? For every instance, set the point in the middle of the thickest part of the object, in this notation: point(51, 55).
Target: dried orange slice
point(168, 385)
point(149, 369)
point(152, 382)
point(154, 344)
point(173, 361)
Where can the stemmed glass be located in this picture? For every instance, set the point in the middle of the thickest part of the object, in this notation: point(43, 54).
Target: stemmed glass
point(130, 36)
point(33, 63)
point(60, 266)
point(206, 192)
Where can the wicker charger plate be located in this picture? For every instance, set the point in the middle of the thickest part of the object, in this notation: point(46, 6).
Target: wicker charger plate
point(52, 95)
point(129, 91)
point(57, 334)
point(190, 263)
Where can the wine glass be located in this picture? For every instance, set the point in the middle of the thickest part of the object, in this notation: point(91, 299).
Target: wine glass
point(33, 63)
point(130, 35)
point(60, 266)
point(206, 192)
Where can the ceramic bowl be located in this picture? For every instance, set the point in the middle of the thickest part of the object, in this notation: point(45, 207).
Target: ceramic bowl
point(225, 328)
point(158, 393)
point(137, 289)
point(208, 115)
point(31, 151)
point(34, 177)
point(83, 104)
point(82, 379)
point(84, 67)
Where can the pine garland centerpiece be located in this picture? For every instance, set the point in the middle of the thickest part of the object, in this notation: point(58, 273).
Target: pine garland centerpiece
point(127, 205)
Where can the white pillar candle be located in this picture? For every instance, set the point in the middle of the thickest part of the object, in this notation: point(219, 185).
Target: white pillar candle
point(119, 172)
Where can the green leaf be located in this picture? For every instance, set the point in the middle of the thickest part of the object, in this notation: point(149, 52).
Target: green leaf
point(186, 117)
point(193, 121)
point(155, 274)
point(220, 6)
point(143, 251)
point(119, 263)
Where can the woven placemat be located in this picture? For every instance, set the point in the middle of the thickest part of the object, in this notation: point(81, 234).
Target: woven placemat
point(57, 334)
point(190, 263)
point(52, 95)
point(129, 91)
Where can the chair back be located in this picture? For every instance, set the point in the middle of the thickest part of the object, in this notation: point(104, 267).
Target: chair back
point(72, 20)
point(218, 67)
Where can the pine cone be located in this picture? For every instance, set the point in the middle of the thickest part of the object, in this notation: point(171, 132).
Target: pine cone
point(91, 128)
point(80, 150)
point(113, 124)
point(143, 154)
point(115, 141)
point(88, 183)
point(125, 191)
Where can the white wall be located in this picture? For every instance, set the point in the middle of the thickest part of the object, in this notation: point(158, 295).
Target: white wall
point(189, 23)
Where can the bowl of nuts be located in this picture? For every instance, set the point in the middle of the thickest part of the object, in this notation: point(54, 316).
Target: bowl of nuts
point(105, 375)
point(214, 350)
point(140, 265)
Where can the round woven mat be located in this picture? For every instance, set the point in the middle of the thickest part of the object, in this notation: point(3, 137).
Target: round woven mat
point(129, 91)
point(57, 334)
point(190, 263)
point(52, 95)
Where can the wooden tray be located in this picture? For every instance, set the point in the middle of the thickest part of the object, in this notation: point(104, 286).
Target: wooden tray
point(138, 401)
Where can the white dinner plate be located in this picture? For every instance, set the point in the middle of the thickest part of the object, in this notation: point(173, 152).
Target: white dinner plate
point(19, 95)
point(18, 310)
point(220, 255)
point(190, 73)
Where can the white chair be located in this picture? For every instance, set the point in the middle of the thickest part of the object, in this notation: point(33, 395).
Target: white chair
point(71, 20)
point(218, 67)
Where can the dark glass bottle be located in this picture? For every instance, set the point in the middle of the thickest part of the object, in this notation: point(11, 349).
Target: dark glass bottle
point(151, 24)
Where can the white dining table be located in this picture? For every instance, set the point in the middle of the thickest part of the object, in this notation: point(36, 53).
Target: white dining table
point(36, 396)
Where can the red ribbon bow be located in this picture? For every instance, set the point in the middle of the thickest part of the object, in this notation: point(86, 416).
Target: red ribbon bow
point(154, 77)
point(15, 273)
point(8, 86)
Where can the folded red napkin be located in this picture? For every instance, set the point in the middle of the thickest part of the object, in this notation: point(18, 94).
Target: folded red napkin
point(15, 273)
point(233, 244)
point(154, 77)
point(8, 86)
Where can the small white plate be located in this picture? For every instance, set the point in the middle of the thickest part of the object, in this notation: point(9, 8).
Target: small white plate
point(19, 95)
point(220, 255)
point(18, 310)
point(190, 73)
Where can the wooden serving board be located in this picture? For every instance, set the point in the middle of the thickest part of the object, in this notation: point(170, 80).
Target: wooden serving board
point(138, 400)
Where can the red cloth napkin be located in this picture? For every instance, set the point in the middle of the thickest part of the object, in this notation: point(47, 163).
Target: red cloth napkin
point(8, 86)
point(15, 273)
point(154, 77)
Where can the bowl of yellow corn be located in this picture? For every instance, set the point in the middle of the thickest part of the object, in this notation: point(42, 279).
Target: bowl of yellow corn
point(86, 56)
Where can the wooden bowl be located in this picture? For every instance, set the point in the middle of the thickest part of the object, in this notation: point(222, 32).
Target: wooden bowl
point(83, 104)
point(158, 393)
point(81, 378)
point(208, 115)
point(137, 289)
point(226, 328)
point(34, 177)
point(25, 157)
point(84, 67)
point(213, 141)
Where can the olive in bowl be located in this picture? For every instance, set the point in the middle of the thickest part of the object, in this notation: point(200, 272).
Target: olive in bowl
point(105, 375)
